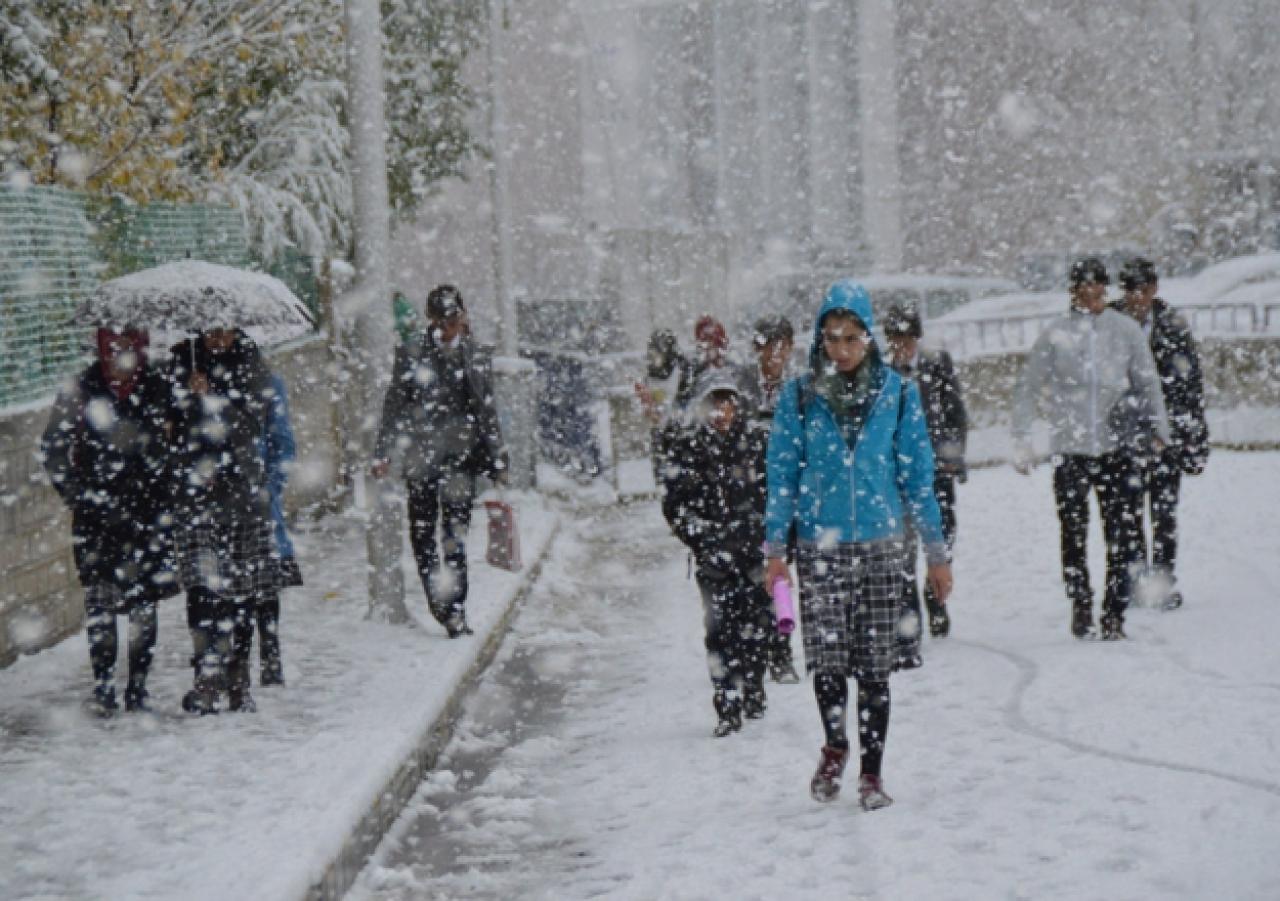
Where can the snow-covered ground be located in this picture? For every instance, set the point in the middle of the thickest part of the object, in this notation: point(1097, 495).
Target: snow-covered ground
point(165, 806)
point(1025, 764)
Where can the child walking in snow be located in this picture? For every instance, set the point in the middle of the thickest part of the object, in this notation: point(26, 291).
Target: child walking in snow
point(714, 501)
point(849, 457)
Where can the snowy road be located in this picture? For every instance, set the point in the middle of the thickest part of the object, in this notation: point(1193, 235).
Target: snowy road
point(1025, 764)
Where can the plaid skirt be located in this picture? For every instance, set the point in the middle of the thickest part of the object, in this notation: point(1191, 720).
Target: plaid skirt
point(235, 558)
point(849, 603)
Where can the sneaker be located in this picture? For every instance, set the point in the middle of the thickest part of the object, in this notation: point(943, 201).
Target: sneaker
point(940, 625)
point(1173, 601)
point(240, 701)
point(730, 722)
point(908, 661)
point(457, 627)
point(103, 700)
point(200, 701)
point(754, 703)
point(783, 673)
point(1112, 628)
point(825, 785)
point(871, 793)
point(1082, 623)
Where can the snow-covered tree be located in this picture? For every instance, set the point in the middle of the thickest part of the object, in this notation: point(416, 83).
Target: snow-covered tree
point(427, 100)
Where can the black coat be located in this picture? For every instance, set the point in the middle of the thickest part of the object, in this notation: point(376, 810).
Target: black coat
point(216, 437)
point(715, 495)
point(439, 414)
point(943, 410)
point(109, 459)
point(1181, 382)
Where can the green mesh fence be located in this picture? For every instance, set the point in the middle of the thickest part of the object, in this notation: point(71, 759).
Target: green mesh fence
point(139, 237)
point(57, 245)
point(48, 264)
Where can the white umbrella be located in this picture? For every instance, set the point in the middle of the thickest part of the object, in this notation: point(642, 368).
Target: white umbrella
point(174, 299)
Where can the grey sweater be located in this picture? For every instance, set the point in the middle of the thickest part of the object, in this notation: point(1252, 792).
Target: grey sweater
point(1090, 376)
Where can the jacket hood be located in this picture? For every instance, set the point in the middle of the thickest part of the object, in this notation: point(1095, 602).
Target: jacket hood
point(846, 294)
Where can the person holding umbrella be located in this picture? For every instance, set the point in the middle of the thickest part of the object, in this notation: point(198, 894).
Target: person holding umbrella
point(105, 450)
point(226, 557)
point(219, 395)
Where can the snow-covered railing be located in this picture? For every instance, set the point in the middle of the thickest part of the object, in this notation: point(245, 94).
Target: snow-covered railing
point(1014, 334)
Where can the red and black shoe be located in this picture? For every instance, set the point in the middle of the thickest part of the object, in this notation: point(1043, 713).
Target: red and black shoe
point(871, 793)
point(825, 785)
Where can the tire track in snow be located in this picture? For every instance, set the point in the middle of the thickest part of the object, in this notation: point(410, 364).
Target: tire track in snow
point(1015, 719)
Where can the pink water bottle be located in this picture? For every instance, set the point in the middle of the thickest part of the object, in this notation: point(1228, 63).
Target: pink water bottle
point(783, 607)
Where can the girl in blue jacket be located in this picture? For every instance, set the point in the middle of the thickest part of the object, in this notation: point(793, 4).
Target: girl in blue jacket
point(849, 460)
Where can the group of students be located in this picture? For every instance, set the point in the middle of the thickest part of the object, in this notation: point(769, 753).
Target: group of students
point(847, 468)
point(766, 467)
point(174, 473)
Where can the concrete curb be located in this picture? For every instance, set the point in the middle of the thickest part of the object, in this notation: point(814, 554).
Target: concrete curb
point(365, 835)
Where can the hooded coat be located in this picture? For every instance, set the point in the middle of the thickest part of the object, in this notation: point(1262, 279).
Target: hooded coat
point(715, 489)
point(855, 494)
point(107, 456)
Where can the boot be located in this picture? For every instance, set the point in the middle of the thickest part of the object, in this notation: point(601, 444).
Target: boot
point(1082, 621)
point(103, 702)
point(754, 702)
point(729, 711)
point(825, 785)
point(135, 694)
point(238, 698)
point(1113, 627)
point(202, 700)
point(871, 793)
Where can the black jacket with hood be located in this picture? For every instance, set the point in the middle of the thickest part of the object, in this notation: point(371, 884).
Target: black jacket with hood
point(108, 457)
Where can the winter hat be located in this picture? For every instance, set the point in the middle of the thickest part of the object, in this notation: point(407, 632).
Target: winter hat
point(710, 332)
point(1088, 271)
point(445, 302)
point(1137, 273)
point(903, 321)
point(719, 378)
point(772, 328)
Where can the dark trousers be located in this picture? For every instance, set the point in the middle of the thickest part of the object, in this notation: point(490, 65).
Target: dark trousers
point(734, 623)
point(264, 611)
point(1114, 478)
point(214, 620)
point(944, 488)
point(104, 644)
point(445, 500)
point(1161, 483)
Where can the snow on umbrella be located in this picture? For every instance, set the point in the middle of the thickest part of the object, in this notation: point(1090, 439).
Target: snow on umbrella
point(192, 296)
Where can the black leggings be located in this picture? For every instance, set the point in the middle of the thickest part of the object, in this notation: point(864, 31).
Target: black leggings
point(103, 643)
point(832, 691)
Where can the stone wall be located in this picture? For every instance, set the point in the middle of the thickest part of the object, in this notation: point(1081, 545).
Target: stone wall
point(41, 601)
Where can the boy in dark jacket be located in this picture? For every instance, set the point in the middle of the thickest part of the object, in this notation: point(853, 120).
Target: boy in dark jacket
point(226, 557)
point(106, 449)
point(714, 501)
point(935, 375)
point(440, 426)
point(1182, 384)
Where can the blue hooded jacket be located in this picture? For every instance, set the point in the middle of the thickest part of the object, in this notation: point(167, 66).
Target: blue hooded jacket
point(851, 495)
